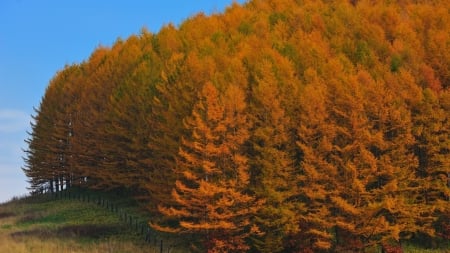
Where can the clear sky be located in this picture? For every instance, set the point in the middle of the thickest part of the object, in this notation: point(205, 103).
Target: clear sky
point(37, 38)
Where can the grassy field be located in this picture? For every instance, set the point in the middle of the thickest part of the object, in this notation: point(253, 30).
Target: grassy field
point(45, 224)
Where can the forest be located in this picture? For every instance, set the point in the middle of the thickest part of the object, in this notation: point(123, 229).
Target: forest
point(275, 126)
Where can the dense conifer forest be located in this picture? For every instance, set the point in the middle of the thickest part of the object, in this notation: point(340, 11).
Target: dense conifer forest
point(276, 126)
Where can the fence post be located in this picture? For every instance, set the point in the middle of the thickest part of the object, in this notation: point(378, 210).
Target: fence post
point(161, 247)
point(147, 236)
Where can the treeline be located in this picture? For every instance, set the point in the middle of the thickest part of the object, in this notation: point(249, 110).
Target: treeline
point(276, 126)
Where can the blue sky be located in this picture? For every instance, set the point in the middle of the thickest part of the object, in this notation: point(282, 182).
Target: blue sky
point(37, 38)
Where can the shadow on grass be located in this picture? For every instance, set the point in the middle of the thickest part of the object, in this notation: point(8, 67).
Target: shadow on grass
point(4, 215)
point(71, 231)
point(30, 217)
point(90, 231)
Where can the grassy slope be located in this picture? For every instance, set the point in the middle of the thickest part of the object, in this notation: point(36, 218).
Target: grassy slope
point(43, 224)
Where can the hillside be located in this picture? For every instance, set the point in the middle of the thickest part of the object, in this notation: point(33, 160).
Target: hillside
point(276, 126)
point(71, 224)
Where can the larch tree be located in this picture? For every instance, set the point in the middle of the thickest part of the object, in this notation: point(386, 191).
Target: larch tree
point(130, 124)
point(210, 192)
point(37, 167)
point(317, 174)
point(49, 152)
point(272, 163)
point(431, 131)
point(174, 94)
point(89, 121)
point(394, 183)
point(126, 118)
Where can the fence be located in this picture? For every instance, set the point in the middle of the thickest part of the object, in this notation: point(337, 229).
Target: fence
point(135, 223)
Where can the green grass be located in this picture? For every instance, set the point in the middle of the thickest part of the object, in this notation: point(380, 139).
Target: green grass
point(48, 224)
point(412, 248)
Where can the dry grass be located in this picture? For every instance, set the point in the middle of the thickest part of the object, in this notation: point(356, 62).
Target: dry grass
point(33, 244)
point(64, 226)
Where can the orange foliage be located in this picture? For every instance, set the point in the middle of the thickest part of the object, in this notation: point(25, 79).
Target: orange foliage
point(332, 113)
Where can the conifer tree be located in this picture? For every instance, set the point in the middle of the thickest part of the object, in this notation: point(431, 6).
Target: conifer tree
point(273, 164)
point(213, 172)
point(317, 181)
point(89, 121)
point(49, 154)
point(130, 123)
point(395, 182)
point(172, 101)
point(431, 148)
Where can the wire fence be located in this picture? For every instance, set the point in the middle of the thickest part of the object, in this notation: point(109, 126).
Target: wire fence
point(137, 224)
